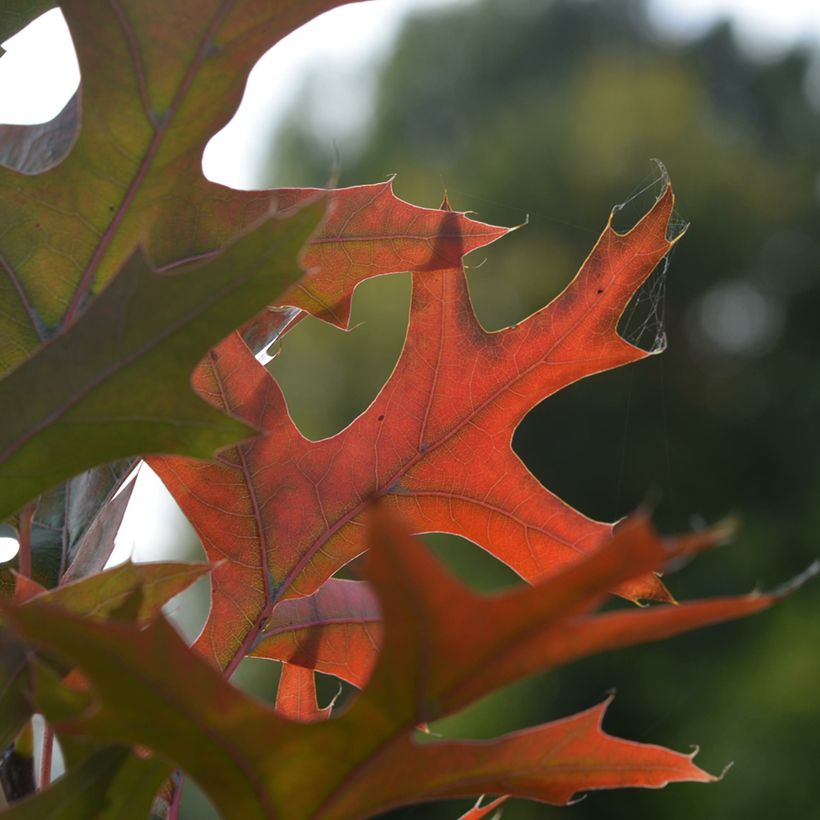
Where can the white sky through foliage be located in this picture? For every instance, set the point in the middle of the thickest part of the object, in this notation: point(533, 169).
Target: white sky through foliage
point(39, 73)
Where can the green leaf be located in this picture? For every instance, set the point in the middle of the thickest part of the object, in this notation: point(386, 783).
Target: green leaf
point(15, 686)
point(111, 783)
point(116, 383)
point(159, 79)
point(102, 594)
point(97, 596)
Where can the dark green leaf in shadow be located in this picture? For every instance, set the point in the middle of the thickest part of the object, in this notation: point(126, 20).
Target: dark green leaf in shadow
point(112, 783)
point(117, 382)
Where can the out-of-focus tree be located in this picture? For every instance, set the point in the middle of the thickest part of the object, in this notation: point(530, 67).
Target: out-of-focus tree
point(554, 109)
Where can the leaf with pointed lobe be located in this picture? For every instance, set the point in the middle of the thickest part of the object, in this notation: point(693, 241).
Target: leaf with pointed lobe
point(438, 655)
point(369, 231)
point(478, 811)
point(285, 513)
point(296, 696)
point(490, 642)
point(338, 630)
point(551, 763)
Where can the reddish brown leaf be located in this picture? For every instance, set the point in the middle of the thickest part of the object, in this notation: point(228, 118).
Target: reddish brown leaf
point(367, 232)
point(490, 642)
point(337, 630)
point(296, 696)
point(286, 512)
point(551, 763)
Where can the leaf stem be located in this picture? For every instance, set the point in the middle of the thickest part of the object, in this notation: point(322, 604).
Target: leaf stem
point(24, 521)
point(45, 761)
point(176, 800)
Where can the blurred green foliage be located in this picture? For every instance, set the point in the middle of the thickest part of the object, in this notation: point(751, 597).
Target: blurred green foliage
point(553, 110)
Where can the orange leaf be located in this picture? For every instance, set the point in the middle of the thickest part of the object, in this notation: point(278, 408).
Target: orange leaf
point(368, 231)
point(296, 696)
point(439, 451)
point(286, 512)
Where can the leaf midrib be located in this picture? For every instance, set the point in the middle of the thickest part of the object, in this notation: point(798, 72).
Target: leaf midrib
point(160, 130)
point(384, 489)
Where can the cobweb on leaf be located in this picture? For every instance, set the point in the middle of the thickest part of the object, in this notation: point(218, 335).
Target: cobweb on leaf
point(644, 321)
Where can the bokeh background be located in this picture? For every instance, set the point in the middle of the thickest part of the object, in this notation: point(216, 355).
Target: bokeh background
point(552, 111)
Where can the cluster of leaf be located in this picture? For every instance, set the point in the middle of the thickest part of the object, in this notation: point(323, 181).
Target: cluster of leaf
point(123, 271)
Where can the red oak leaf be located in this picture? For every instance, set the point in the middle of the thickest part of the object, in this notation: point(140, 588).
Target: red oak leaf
point(286, 513)
point(368, 231)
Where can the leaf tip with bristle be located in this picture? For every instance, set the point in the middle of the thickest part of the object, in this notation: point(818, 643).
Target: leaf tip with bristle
point(796, 583)
point(520, 224)
point(725, 771)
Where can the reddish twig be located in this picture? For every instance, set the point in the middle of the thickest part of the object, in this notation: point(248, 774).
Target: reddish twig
point(45, 761)
point(24, 520)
